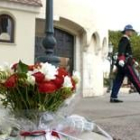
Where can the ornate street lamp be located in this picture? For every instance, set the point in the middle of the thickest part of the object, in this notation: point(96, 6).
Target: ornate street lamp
point(110, 50)
point(49, 41)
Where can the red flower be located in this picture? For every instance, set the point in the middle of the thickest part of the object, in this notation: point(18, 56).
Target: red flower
point(39, 77)
point(73, 84)
point(58, 81)
point(11, 81)
point(31, 67)
point(62, 72)
point(47, 87)
point(14, 67)
point(37, 65)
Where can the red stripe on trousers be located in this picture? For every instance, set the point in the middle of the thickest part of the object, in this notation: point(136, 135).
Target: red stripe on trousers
point(121, 57)
point(134, 76)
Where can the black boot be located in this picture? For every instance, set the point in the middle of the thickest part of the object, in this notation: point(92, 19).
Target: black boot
point(113, 100)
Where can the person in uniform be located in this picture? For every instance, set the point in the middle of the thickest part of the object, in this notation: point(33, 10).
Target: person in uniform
point(125, 65)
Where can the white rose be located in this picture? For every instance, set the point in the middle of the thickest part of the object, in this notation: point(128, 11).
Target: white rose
point(49, 70)
point(33, 72)
point(6, 67)
point(30, 79)
point(76, 76)
point(67, 82)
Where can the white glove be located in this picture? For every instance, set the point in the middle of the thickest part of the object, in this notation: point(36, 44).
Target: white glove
point(136, 64)
point(121, 63)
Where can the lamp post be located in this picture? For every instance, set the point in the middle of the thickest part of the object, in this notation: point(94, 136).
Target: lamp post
point(49, 41)
point(110, 56)
point(110, 48)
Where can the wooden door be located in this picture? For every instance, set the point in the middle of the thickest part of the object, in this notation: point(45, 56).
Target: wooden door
point(64, 48)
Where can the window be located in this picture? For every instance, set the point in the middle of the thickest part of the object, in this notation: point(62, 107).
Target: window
point(6, 28)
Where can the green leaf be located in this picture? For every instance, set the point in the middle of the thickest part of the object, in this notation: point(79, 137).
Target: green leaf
point(22, 75)
point(22, 68)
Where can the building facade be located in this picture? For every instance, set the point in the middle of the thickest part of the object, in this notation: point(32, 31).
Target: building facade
point(82, 39)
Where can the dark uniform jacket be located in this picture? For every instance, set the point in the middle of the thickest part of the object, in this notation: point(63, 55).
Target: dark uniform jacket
point(125, 51)
point(124, 48)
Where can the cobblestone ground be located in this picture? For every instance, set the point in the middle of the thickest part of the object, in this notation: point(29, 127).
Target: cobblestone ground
point(122, 121)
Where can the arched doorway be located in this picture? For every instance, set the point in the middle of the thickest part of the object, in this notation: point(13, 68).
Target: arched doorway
point(104, 48)
point(95, 42)
point(64, 48)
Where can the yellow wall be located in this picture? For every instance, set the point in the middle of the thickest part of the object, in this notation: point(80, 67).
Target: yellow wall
point(23, 48)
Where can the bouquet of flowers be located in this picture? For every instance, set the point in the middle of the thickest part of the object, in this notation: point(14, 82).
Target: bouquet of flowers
point(41, 87)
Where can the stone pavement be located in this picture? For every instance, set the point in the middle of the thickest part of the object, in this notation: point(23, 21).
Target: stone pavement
point(121, 121)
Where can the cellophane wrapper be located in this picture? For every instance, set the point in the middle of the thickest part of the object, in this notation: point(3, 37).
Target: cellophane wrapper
point(57, 126)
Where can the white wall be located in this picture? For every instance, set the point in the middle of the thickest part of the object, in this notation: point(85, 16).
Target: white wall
point(77, 17)
point(74, 10)
point(88, 54)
